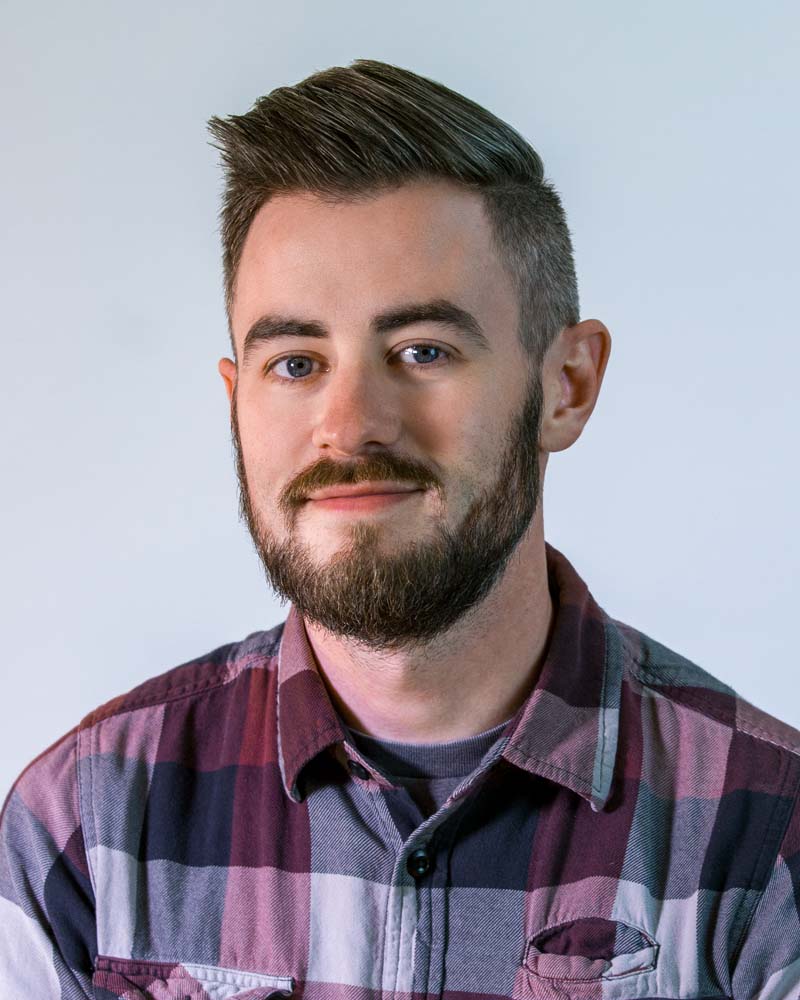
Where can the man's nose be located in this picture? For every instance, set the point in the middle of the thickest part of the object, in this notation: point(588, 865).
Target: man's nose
point(358, 408)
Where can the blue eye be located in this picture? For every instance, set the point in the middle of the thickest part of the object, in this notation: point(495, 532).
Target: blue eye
point(425, 354)
point(297, 365)
point(300, 366)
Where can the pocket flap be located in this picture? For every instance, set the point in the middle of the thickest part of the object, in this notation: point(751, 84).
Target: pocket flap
point(589, 949)
point(134, 979)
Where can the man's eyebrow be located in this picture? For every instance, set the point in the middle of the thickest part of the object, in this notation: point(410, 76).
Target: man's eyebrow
point(273, 327)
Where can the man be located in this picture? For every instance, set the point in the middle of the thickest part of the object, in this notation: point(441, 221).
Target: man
point(449, 772)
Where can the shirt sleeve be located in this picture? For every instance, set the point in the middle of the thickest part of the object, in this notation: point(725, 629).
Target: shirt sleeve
point(768, 967)
point(47, 911)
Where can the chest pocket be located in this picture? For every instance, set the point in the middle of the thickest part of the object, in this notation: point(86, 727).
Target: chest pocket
point(576, 958)
point(131, 979)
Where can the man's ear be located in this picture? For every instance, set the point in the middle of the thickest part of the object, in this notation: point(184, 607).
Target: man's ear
point(227, 370)
point(572, 373)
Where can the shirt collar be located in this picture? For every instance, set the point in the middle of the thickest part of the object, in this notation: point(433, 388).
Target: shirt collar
point(566, 731)
point(306, 719)
point(568, 728)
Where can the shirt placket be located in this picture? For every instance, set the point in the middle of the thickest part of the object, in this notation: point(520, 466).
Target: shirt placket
point(413, 958)
point(415, 920)
point(417, 917)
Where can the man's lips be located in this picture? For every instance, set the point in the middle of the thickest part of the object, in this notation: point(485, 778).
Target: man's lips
point(362, 498)
point(361, 490)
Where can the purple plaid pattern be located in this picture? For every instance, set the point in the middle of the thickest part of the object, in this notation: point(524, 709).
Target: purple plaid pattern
point(634, 833)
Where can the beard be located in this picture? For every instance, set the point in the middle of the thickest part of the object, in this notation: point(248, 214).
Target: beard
point(404, 598)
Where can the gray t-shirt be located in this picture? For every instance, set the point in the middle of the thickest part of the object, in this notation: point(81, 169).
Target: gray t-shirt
point(430, 771)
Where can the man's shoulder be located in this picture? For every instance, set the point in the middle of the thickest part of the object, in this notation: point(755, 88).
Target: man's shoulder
point(139, 710)
point(666, 674)
point(195, 677)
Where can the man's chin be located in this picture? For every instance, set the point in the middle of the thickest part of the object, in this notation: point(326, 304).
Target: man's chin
point(361, 537)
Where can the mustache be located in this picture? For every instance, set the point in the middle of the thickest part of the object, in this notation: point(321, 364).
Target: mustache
point(380, 466)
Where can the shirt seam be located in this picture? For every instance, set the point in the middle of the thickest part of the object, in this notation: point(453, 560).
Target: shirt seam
point(86, 800)
point(598, 789)
point(209, 684)
point(748, 918)
point(382, 965)
point(555, 767)
point(222, 676)
point(695, 702)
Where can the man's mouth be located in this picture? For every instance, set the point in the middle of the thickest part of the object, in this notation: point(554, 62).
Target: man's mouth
point(359, 497)
point(362, 489)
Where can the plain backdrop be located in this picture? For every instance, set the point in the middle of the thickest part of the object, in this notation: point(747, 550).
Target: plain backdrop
point(671, 132)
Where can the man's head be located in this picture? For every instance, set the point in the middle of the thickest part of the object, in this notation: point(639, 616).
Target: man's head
point(351, 131)
point(391, 293)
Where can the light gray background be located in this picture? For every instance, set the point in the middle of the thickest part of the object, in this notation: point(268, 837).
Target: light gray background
point(671, 132)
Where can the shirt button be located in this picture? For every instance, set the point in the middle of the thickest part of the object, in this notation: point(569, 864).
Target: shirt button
point(358, 770)
point(419, 863)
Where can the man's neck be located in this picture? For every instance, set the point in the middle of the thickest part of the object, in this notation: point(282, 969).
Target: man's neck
point(473, 677)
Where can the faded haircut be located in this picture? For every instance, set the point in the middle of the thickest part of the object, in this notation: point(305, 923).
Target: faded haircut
point(360, 129)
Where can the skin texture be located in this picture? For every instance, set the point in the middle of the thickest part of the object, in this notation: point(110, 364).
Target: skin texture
point(445, 421)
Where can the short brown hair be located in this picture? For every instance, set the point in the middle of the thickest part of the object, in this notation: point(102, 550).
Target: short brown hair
point(357, 129)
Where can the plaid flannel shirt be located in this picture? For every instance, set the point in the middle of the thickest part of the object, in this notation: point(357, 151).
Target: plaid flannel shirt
point(213, 835)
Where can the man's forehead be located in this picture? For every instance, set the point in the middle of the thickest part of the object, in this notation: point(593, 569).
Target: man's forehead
point(421, 216)
point(423, 240)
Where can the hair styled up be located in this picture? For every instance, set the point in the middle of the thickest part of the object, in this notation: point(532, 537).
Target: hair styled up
point(356, 130)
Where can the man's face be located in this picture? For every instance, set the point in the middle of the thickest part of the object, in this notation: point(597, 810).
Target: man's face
point(378, 346)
